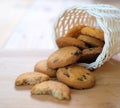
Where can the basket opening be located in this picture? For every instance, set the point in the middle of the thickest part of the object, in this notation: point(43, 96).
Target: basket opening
point(73, 17)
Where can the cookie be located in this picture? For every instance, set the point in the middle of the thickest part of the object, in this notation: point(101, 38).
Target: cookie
point(69, 41)
point(90, 55)
point(63, 57)
point(56, 89)
point(31, 78)
point(42, 67)
point(94, 32)
point(76, 77)
point(93, 42)
point(74, 31)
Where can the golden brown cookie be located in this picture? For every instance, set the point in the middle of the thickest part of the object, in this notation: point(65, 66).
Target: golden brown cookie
point(69, 41)
point(76, 77)
point(31, 78)
point(90, 55)
point(94, 42)
point(94, 32)
point(63, 57)
point(42, 67)
point(56, 89)
point(74, 31)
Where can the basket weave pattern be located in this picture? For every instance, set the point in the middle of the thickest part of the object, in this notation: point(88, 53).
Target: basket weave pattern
point(106, 17)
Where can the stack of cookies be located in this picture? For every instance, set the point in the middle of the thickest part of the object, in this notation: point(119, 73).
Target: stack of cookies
point(88, 39)
point(60, 72)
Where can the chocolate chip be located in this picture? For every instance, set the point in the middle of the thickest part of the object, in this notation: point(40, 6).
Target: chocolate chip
point(55, 60)
point(88, 73)
point(84, 77)
point(81, 79)
point(66, 74)
point(77, 53)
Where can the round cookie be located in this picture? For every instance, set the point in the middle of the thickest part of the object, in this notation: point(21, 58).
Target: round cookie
point(91, 41)
point(74, 31)
point(63, 57)
point(76, 77)
point(56, 89)
point(89, 55)
point(42, 67)
point(69, 41)
point(94, 32)
point(31, 78)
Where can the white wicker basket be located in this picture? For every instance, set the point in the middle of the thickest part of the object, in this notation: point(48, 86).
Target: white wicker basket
point(102, 16)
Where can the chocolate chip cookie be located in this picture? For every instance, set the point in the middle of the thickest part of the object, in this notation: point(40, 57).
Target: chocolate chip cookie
point(89, 55)
point(63, 57)
point(69, 41)
point(31, 78)
point(42, 67)
point(76, 77)
point(94, 32)
point(74, 31)
point(56, 89)
point(91, 41)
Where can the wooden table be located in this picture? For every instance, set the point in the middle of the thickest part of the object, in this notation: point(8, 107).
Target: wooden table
point(106, 93)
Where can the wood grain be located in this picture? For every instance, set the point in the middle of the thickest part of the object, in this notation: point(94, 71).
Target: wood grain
point(106, 93)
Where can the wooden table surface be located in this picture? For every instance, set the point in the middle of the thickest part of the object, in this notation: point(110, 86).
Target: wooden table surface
point(26, 25)
point(106, 93)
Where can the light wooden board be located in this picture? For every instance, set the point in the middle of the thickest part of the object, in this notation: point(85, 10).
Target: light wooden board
point(106, 93)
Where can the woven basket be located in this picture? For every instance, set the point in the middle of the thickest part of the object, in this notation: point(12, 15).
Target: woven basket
point(102, 16)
